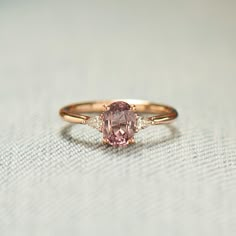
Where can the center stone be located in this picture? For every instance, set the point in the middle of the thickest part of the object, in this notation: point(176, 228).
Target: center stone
point(119, 124)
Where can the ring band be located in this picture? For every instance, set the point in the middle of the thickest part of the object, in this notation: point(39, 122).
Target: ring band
point(118, 119)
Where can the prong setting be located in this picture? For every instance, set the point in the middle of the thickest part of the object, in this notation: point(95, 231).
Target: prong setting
point(131, 141)
point(119, 123)
point(106, 107)
point(132, 107)
point(105, 141)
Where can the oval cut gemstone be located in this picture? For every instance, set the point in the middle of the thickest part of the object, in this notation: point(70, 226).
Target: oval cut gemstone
point(119, 124)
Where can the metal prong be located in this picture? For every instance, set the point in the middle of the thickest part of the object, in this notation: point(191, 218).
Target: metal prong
point(131, 141)
point(133, 107)
point(104, 141)
point(106, 107)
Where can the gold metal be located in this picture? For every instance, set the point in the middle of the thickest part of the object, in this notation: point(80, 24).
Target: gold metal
point(162, 114)
point(104, 141)
point(133, 107)
point(105, 107)
point(131, 141)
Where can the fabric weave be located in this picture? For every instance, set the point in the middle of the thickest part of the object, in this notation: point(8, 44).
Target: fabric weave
point(58, 179)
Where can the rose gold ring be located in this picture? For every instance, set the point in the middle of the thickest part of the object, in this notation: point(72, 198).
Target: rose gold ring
point(118, 120)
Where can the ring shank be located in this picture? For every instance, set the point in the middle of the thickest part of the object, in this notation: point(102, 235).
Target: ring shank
point(162, 114)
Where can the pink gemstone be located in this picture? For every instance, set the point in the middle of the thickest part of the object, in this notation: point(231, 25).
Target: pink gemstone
point(119, 124)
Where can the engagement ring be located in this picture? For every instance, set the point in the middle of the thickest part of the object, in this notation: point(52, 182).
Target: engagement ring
point(118, 120)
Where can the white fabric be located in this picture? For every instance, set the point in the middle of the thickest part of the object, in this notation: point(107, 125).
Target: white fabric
point(60, 180)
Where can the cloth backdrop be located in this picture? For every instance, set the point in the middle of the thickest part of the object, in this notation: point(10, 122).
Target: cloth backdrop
point(57, 179)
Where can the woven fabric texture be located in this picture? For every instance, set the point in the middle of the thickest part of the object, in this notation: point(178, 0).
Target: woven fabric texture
point(57, 179)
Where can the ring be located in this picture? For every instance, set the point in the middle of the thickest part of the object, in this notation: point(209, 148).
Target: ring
point(118, 120)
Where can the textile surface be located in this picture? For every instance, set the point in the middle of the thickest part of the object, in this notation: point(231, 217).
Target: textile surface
point(57, 179)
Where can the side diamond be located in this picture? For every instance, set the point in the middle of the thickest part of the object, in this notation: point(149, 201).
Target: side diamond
point(142, 123)
point(95, 122)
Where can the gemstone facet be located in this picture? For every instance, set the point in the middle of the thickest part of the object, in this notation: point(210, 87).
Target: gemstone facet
point(119, 124)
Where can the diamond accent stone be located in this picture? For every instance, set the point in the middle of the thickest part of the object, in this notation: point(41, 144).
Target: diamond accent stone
point(95, 122)
point(142, 123)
